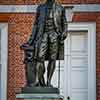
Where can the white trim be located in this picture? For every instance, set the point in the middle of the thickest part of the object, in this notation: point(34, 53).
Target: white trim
point(4, 59)
point(32, 8)
point(85, 7)
point(91, 30)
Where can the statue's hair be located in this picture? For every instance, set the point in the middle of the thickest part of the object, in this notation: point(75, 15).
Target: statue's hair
point(43, 1)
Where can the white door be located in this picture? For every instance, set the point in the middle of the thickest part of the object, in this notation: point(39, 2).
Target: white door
point(77, 65)
point(77, 70)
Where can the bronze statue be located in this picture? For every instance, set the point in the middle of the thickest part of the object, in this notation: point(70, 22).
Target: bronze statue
point(50, 28)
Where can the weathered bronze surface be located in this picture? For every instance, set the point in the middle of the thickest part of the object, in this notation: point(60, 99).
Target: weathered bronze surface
point(49, 32)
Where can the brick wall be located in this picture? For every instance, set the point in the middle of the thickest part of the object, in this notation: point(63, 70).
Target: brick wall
point(20, 26)
point(37, 1)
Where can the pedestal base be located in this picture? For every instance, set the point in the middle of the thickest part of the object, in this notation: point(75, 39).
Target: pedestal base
point(39, 93)
point(40, 90)
point(39, 96)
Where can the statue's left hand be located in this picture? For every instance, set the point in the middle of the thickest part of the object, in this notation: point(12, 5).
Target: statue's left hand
point(26, 47)
point(63, 36)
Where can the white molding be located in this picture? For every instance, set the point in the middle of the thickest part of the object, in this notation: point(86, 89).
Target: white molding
point(32, 8)
point(85, 7)
point(91, 30)
point(4, 59)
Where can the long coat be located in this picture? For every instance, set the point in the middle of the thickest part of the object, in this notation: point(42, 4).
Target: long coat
point(60, 24)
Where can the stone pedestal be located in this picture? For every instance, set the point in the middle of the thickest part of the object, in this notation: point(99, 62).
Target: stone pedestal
point(39, 96)
point(39, 93)
point(40, 90)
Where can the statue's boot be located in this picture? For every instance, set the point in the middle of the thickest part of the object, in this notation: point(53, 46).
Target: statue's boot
point(50, 69)
point(34, 84)
point(42, 82)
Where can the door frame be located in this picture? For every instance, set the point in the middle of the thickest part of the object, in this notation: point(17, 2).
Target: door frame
point(4, 60)
point(91, 31)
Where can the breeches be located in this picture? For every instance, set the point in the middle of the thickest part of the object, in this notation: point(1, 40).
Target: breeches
point(48, 46)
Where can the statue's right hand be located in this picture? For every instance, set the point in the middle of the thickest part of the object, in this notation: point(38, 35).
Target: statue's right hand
point(26, 46)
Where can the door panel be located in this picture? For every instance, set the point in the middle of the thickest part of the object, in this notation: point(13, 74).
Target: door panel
point(78, 42)
point(78, 65)
point(80, 96)
point(79, 79)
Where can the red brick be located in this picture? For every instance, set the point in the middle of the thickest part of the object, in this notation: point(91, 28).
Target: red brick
point(30, 2)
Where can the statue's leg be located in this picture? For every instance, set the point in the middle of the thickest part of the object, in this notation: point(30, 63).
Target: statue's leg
point(40, 73)
point(40, 68)
point(53, 47)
